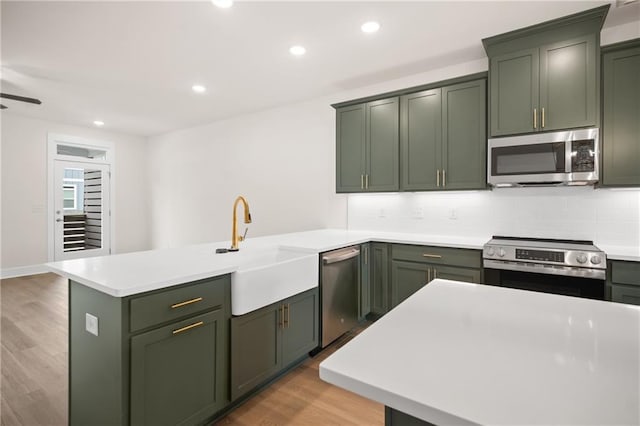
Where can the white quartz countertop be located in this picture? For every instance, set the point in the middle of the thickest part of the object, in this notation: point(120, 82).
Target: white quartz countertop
point(132, 273)
point(459, 353)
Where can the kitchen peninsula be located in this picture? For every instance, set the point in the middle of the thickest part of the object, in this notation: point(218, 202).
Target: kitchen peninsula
point(140, 321)
point(460, 353)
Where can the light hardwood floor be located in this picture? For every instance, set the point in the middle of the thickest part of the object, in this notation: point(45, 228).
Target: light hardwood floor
point(34, 356)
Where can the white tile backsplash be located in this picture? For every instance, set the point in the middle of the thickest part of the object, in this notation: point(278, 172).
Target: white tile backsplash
point(606, 216)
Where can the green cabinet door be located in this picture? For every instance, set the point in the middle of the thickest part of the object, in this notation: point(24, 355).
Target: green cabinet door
point(256, 350)
point(464, 136)
point(301, 326)
point(364, 304)
point(568, 84)
point(454, 273)
point(406, 279)
point(621, 118)
point(379, 278)
point(421, 139)
point(178, 371)
point(382, 154)
point(625, 294)
point(350, 148)
point(514, 92)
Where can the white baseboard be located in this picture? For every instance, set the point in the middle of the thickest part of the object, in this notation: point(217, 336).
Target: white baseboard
point(21, 271)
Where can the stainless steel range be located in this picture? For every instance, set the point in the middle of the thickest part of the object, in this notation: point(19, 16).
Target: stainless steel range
point(569, 267)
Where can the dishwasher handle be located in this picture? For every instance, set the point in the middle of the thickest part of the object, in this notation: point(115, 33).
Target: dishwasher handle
point(339, 256)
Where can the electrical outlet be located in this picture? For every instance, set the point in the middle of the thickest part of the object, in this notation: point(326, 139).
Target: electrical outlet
point(382, 213)
point(418, 213)
point(453, 214)
point(91, 323)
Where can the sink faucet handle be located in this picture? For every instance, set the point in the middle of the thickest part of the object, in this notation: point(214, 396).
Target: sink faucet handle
point(244, 236)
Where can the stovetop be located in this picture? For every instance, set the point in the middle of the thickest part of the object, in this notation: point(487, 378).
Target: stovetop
point(548, 251)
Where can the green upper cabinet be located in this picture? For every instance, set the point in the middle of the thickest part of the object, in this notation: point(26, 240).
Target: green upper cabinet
point(568, 84)
point(382, 120)
point(621, 115)
point(350, 148)
point(421, 139)
point(367, 147)
point(514, 92)
point(443, 138)
point(546, 77)
point(464, 136)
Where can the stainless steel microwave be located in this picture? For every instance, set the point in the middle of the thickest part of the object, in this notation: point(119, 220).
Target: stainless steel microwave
point(543, 159)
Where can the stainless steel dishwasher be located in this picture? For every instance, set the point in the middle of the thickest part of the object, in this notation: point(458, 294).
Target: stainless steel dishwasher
point(339, 292)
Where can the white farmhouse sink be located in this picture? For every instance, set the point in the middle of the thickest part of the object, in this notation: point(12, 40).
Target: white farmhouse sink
point(270, 275)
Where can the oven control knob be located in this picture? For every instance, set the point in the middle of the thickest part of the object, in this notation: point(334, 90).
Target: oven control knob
point(581, 258)
point(501, 252)
point(596, 259)
point(490, 251)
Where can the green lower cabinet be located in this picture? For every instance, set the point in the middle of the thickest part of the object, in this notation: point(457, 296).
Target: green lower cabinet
point(177, 377)
point(454, 273)
point(379, 278)
point(409, 277)
point(621, 116)
point(623, 282)
point(160, 358)
point(364, 304)
point(625, 294)
point(406, 279)
point(301, 326)
point(268, 340)
point(256, 349)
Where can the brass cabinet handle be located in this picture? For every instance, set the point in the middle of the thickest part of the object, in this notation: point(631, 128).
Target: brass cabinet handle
point(543, 117)
point(435, 273)
point(186, 302)
point(438, 177)
point(361, 181)
point(281, 311)
point(286, 321)
point(366, 181)
point(434, 256)
point(189, 327)
point(428, 275)
point(444, 178)
point(535, 118)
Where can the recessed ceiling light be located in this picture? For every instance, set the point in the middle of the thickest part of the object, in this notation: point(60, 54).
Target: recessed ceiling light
point(223, 4)
point(297, 50)
point(198, 88)
point(370, 27)
point(98, 123)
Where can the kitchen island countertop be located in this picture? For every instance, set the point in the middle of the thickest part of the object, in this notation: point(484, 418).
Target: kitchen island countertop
point(459, 353)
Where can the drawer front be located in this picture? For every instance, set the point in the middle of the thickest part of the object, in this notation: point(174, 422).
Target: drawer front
point(625, 294)
point(437, 255)
point(170, 305)
point(625, 273)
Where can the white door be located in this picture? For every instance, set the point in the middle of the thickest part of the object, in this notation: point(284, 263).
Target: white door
point(81, 210)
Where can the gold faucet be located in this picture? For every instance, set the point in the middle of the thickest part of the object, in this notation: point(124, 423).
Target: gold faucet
point(235, 238)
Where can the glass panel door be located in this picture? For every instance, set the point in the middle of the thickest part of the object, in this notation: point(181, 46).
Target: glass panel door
point(82, 214)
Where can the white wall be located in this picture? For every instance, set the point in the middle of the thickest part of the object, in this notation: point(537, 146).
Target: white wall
point(609, 217)
point(24, 189)
point(282, 160)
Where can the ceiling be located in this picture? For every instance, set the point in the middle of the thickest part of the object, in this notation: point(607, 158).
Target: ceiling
point(132, 64)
